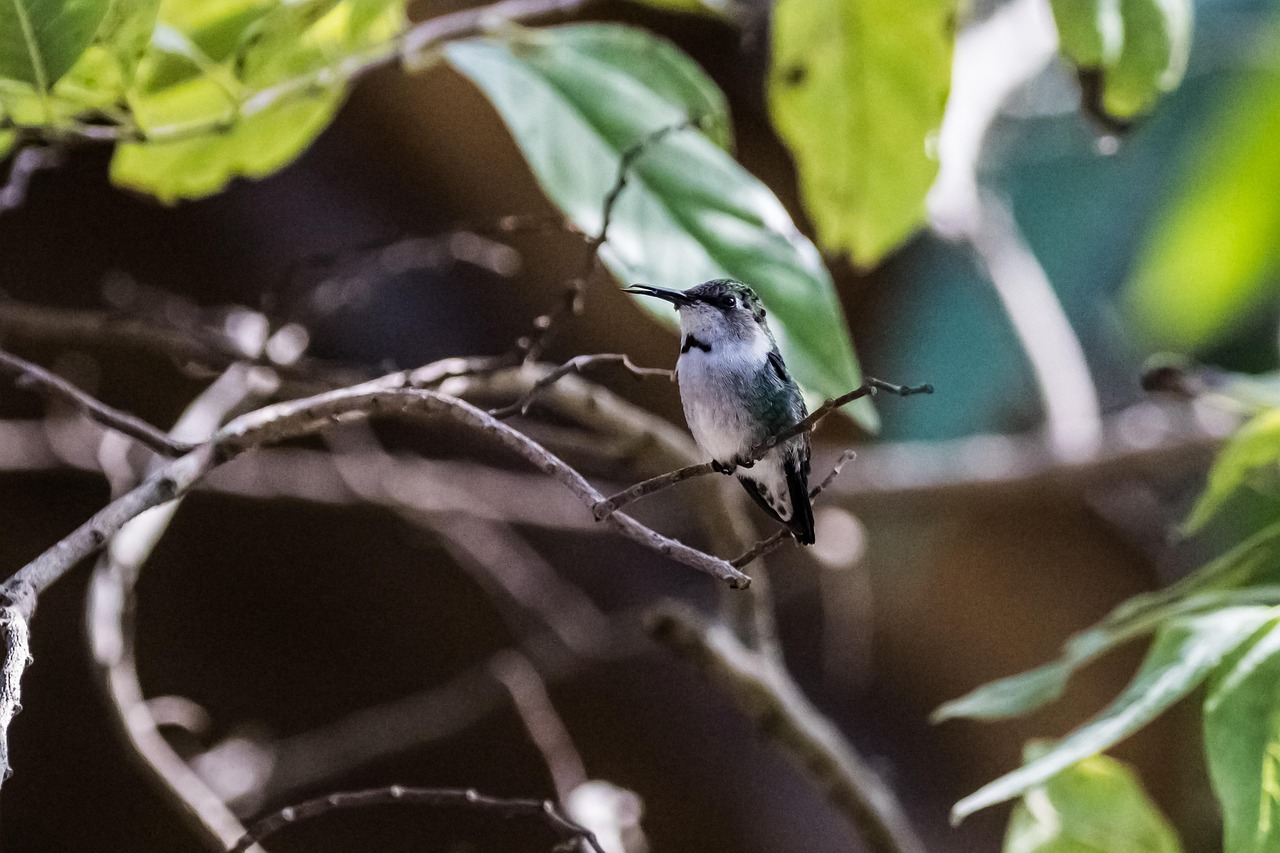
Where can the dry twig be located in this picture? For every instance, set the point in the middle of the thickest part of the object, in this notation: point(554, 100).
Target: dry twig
point(55, 386)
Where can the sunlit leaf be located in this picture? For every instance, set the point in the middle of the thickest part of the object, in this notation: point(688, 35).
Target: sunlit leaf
point(1255, 446)
point(207, 61)
point(1212, 255)
point(856, 90)
point(1095, 806)
point(688, 212)
point(1242, 742)
point(1185, 651)
point(41, 39)
point(254, 148)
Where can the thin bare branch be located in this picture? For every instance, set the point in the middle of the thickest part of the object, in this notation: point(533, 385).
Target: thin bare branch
point(765, 693)
point(571, 300)
point(644, 488)
point(434, 797)
point(575, 365)
point(55, 386)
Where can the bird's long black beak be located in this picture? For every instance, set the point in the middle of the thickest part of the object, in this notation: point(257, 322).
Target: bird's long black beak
point(675, 297)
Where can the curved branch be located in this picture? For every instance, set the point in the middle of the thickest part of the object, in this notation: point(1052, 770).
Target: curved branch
point(435, 797)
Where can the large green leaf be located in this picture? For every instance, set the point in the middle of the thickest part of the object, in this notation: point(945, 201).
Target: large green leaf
point(856, 89)
point(688, 212)
point(1212, 255)
point(1255, 446)
point(207, 61)
point(1242, 742)
point(41, 39)
point(1094, 806)
point(659, 66)
point(1185, 651)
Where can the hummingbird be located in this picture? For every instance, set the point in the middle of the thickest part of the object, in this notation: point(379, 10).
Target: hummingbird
point(737, 392)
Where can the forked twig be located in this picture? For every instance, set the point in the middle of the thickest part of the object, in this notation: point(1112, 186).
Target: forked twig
point(575, 365)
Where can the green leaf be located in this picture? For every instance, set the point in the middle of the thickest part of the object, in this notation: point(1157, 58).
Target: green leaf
point(41, 39)
point(7, 138)
point(1254, 446)
point(1138, 47)
point(1242, 742)
point(659, 66)
point(255, 147)
point(856, 90)
point(1094, 806)
point(1212, 256)
point(1013, 696)
point(1185, 651)
point(1157, 41)
point(1089, 31)
point(207, 62)
point(688, 212)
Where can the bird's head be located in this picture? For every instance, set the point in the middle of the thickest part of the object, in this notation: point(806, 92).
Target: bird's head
point(718, 310)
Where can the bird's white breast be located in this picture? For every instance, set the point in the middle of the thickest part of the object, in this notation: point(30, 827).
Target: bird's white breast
point(712, 389)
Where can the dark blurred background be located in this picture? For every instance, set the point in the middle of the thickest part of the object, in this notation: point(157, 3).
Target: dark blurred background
point(279, 616)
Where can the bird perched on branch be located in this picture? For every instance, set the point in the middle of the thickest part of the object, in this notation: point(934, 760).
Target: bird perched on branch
point(737, 393)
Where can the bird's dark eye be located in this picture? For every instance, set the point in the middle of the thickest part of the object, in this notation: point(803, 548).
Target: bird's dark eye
point(730, 302)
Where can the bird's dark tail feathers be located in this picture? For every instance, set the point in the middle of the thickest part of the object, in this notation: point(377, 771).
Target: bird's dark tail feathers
point(801, 522)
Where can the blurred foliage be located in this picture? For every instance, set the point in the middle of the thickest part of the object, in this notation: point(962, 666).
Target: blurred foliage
point(1256, 446)
point(1212, 255)
point(856, 90)
point(1094, 806)
point(1136, 48)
